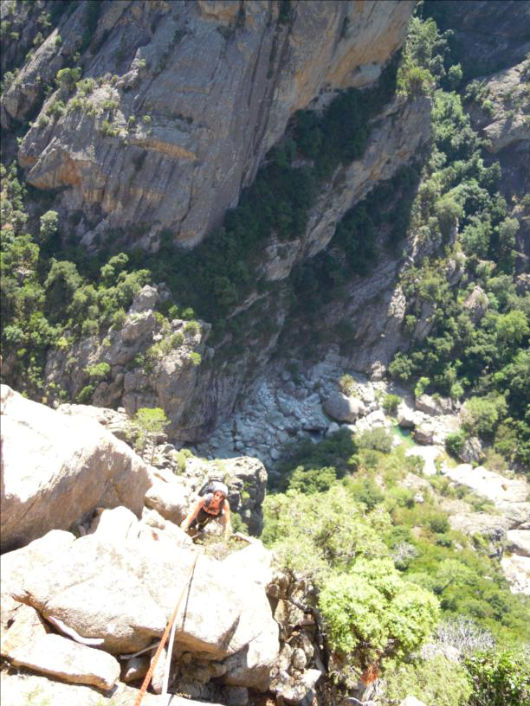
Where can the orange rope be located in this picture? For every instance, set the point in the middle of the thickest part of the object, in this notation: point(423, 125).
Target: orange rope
point(163, 641)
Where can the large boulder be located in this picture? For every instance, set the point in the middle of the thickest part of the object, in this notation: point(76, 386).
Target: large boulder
point(248, 482)
point(19, 689)
point(69, 661)
point(14, 566)
point(509, 495)
point(519, 542)
point(342, 408)
point(57, 468)
point(224, 611)
point(169, 496)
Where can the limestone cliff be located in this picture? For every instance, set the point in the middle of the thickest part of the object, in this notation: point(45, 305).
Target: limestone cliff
point(185, 100)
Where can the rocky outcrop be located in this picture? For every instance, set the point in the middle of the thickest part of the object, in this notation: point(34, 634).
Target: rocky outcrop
point(487, 35)
point(21, 688)
point(55, 469)
point(501, 113)
point(66, 599)
point(150, 364)
point(510, 496)
point(504, 114)
point(517, 570)
point(180, 140)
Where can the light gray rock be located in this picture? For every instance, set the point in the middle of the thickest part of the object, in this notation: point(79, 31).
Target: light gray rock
point(135, 668)
point(299, 659)
point(509, 495)
point(516, 568)
point(114, 526)
point(118, 423)
point(84, 588)
point(23, 629)
point(342, 408)
point(170, 381)
point(424, 434)
point(411, 701)
point(476, 304)
point(433, 405)
point(248, 477)
point(405, 417)
point(170, 499)
point(518, 542)
point(492, 527)
point(205, 134)
point(16, 564)
point(508, 120)
point(471, 450)
point(372, 421)
point(145, 300)
point(22, 689)
point(68, 661)
point(61, 467)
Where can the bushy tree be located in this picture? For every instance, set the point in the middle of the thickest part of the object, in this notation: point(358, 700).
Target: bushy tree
point(314, 534)
point(481, 415)
point(371, 612)
point(500, 678)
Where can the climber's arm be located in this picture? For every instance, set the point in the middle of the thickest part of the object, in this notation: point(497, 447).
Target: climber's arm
point(225, 518)
point(185, 524)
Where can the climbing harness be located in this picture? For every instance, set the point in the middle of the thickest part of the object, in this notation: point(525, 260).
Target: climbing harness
point(158, 652)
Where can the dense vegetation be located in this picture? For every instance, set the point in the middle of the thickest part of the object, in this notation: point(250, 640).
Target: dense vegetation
point(465, 285)
point(45, 300)
point(392, 575)
point(477, 349)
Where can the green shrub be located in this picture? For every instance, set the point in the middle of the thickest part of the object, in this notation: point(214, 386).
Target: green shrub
point(319, 532)
point(365, 491)
point(437, 681)
point(500, 678)
point(391, 403)
point(195, 358)
point(147, 425)
point(454, 442)
point(85, 395)
point(481, 415)
point(378, 439)
point(347, 384)
point(238, 524)
point(192, 327)
point(312, 480)
point(99, 371)
point(438, 523)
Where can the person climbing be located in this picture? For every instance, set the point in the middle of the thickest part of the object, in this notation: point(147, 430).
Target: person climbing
point(212, 505)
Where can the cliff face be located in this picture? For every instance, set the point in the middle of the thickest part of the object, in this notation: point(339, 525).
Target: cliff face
point(196, 399)
point(187, 99)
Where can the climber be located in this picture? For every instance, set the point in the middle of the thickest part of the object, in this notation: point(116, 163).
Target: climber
point(212, 505)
